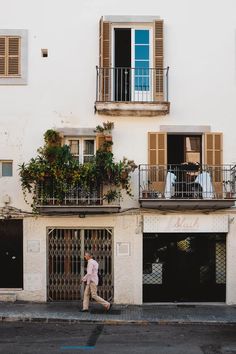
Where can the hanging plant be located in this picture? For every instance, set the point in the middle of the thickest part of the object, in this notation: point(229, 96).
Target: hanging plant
point(55, 172)
point(105, 128)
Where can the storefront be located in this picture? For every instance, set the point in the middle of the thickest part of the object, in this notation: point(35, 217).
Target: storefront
point(184, 258)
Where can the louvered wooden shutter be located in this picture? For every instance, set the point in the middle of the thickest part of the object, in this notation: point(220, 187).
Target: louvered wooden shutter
point(100, 140)
point(2, 56)
point(9, 56)
point(13, 56)
point(105, 60)
point(157, 159)
point(214, 160)
point(158, 61)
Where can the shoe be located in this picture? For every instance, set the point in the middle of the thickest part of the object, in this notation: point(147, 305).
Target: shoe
point(108, 308)
point(84, 310)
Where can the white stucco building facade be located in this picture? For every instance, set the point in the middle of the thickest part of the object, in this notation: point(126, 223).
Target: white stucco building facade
point(162, 237)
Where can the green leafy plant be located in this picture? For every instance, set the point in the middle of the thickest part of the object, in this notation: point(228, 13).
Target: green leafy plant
point(105, 128)
point(55, 172)
point(111, 195)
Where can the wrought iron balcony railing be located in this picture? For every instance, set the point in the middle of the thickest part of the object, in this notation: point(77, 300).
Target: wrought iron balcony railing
point(47, 195)
point(187, 181)
point(119, 84)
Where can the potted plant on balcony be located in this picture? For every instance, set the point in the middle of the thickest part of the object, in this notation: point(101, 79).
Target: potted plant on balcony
point(55, 174)
point(50, 175)
point(111, 195)
point(105, 129)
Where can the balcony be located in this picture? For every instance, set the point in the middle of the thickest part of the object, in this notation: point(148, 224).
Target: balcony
point(76, 201)
point(132, 91)
point(187, 186)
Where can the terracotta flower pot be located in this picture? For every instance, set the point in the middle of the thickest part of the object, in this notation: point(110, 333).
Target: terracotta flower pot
point(108, 137)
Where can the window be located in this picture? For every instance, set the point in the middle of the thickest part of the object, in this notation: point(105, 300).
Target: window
point(13, 57)
point(5, 168)
point(9, 56)
point(174, 149)
point(132, 64)
point(131, 60)
point(82, 148)
point(193, 149)
point(142, 59)
point(184, 148)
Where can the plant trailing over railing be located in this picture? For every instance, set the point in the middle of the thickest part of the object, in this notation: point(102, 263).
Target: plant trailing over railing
point(59, 172)
point(105, 128)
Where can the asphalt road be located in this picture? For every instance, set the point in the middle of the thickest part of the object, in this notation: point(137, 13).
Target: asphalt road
point(22, 338)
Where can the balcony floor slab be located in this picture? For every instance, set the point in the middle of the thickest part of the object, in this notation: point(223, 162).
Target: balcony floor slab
point(181, 204)
point(140, 109)
point(77, 210)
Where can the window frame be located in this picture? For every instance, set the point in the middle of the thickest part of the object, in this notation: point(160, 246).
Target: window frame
point(81, 141)
point(1, 168)
point(22, 78)
point(133, 26)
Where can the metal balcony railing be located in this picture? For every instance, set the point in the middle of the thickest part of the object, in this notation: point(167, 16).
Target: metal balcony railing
point(47, 195)
point(121, 84)
point(187, 181)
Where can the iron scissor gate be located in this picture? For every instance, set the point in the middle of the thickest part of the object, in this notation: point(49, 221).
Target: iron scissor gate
point(66, 263)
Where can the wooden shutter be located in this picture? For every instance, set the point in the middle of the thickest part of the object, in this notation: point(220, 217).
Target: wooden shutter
point(214, 160)
point(100, 140)
point(2, 56)
point(158, 61)
point(105, 60)
point(13, 56)
point(9, 56)
point(157, 159)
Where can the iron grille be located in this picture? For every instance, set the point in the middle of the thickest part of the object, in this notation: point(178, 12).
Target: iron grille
point(66, 264)
point(99, 243)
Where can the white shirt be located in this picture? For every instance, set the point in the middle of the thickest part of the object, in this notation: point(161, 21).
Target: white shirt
point(92, 272)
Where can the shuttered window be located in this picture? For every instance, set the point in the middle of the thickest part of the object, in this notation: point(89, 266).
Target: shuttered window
point(106, 49)
point(10, 56)
point(157, 158)
point(100, 141)
point(214, 159)
point(105, 58)
point(158, 60)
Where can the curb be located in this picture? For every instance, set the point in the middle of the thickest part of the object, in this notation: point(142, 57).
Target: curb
point(114, 322)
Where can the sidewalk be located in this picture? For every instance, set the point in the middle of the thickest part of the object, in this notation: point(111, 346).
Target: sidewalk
point(162, 314)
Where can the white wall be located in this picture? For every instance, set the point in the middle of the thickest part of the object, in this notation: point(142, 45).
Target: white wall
point(200, 40)
point(231, 262)
point(127, 269)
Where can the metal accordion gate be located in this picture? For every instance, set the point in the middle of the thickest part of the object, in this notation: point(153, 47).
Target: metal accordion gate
point(66, 265)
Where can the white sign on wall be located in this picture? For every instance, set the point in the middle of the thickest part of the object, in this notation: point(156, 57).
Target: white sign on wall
point(33, 246)
point(185, 223)
point(123, 249)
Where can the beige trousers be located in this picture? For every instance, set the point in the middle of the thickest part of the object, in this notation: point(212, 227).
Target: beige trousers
point(92, 289)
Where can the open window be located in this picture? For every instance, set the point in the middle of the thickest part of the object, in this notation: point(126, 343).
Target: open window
point(184, 149)
point(200, 156)
point(131, 65)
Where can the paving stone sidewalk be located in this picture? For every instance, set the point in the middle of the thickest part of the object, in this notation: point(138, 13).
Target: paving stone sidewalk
point(163, 314)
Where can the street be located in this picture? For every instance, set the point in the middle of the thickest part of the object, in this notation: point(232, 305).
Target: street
point(24, 338)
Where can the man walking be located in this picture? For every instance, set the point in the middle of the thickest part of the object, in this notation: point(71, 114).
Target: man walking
point(91, 280)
